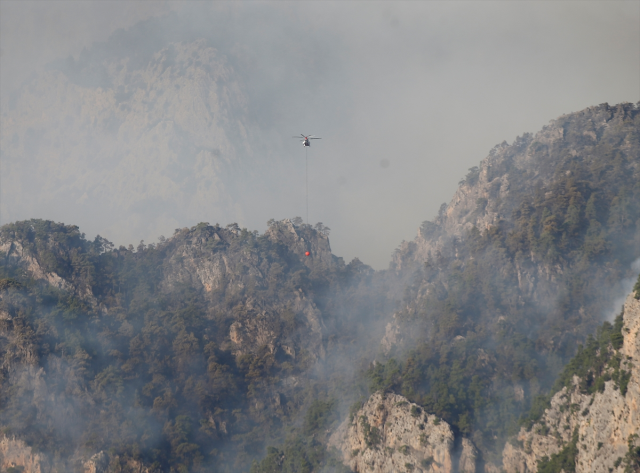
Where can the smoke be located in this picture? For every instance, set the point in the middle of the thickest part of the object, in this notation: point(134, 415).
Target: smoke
point(621, 291)
point(406, 97)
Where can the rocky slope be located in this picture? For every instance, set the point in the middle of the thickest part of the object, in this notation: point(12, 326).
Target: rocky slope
point(389, 433)
point(516, 271)
point(530, 199)
point(213, 337)
point(602, 427)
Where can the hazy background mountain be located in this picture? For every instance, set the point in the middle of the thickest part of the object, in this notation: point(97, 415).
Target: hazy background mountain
point(221, 345)
point(187, 116)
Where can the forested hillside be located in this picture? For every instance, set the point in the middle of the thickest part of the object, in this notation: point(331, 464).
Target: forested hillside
point(520, 267)
point(182, 355)
point(219, 346)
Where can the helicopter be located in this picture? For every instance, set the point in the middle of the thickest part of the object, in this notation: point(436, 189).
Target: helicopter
point(305, 139)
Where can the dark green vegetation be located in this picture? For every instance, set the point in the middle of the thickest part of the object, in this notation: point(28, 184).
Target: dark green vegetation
point(491, 317)
point(632, 458)
point(304, 451)
point(130, 359)
point(15, 469)
point(595, 363)
point(564, 460)
point(595, 359)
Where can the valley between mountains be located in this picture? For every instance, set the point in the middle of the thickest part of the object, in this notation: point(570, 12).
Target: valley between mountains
point(495, 341)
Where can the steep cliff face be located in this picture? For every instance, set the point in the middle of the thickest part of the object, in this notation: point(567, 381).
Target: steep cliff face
point(539, 202)
point(15, 251)
point(558, 169)
point(389, 433)
point(198, 257)
point(15, 453)
point(300, 240)
point(599, 432)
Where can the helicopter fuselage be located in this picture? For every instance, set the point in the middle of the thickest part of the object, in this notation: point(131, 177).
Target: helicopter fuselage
point(306, 140)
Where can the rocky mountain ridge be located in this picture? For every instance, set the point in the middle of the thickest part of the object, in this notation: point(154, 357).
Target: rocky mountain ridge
point(203, 257)
point(217, 324)
point(218, 338)
point(530, 198)
point(484, 197)
point(515, 272)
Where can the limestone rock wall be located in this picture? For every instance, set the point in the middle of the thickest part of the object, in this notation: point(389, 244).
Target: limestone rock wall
point(390, 434)
point(301, 239)
point(605, 421)
point(21, 257)
point(210, 259)
point(15, 453)
point(258, 327)
point(98, 463)
point(17, 254)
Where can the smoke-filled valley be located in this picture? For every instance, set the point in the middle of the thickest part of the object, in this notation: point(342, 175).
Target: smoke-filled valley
point(223, 349)
point(493, 340)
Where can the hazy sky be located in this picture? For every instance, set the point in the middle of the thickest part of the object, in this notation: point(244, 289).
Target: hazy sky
point(431, 87)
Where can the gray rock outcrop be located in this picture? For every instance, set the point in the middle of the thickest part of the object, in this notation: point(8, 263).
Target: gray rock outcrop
point(16, 453)
point(208, 257)
point(98, 463)
point(391, 434)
